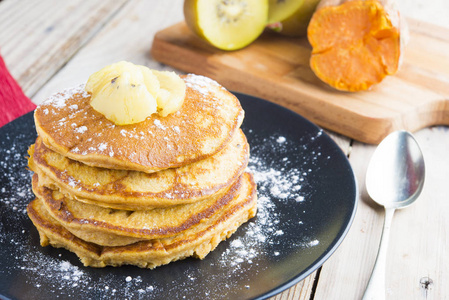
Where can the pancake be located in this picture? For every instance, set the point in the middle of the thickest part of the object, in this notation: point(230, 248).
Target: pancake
point(197, 241)
point(205, 124)
point(135, 190)
point(109, 227)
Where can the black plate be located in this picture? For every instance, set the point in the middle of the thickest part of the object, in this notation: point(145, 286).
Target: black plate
point(307, 200)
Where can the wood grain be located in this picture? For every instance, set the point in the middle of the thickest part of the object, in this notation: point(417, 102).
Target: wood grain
point(126, 36)
point(301, 291)
point(276, 68)
point(38, 37)
point(419, 234)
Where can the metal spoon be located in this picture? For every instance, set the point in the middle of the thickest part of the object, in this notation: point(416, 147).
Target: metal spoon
point(394, 179)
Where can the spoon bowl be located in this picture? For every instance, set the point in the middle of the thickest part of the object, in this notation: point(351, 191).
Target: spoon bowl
point(394, 179)
point(395, 175)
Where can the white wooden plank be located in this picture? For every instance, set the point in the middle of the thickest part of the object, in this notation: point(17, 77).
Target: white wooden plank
point(419, 236)
point(301, 291)
point(418, 239)
point(128, 36)
point(346, 271)
point(38, 37)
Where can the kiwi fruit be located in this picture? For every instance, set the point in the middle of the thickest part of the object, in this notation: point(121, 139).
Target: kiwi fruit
point(227, 24)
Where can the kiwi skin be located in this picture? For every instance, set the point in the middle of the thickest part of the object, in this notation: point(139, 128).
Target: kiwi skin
point(296, 25)
point(279, 10)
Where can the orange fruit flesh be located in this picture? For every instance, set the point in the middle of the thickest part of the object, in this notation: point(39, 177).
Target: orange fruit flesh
point(354, 45)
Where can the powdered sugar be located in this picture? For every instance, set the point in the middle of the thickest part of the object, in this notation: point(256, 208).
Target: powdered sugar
point(159, 124)
point(281, 140)
point(274, 234)
point(72, 182)
point(200, 83)
point(58, 100)
point(281, 182)
point(102, 146)
point(81, 129)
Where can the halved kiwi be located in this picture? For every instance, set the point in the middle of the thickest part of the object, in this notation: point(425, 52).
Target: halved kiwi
point(227, 24)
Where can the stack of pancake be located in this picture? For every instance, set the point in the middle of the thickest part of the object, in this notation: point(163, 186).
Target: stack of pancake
point(143, 194)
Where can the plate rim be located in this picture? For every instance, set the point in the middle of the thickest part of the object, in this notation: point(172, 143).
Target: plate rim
point(328, 251)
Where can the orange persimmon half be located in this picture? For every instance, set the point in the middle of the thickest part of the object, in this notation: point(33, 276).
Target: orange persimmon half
point(355, 43)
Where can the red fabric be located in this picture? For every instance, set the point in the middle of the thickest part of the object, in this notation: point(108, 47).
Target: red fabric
point(13, 102)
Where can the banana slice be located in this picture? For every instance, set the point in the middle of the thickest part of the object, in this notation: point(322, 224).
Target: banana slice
point(126, 93)
point(171, 93)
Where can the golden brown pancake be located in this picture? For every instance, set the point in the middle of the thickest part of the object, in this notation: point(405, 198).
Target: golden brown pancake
point(197, 241)
point(205, 124)
point(110, 227)
point(135, 190)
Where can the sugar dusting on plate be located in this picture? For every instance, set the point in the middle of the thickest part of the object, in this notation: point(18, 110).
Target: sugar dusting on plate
point(279, 183)
point(54, 270)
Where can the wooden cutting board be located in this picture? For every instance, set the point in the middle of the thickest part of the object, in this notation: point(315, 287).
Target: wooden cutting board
point(276, 68)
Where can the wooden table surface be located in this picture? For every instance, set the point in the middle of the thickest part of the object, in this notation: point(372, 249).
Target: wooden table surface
point(50, 45)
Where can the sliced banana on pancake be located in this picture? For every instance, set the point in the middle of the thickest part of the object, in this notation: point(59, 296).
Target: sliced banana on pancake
point(126, 93)
point(204, 124)
point(171, 93)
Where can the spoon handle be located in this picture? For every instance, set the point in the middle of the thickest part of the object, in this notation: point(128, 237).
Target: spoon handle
point(375, 289)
